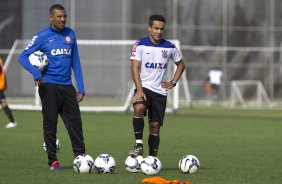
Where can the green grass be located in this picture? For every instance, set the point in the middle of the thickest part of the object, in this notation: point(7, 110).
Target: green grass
point(233, 146)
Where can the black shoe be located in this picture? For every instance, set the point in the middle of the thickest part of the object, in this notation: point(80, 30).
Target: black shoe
point(136, 150)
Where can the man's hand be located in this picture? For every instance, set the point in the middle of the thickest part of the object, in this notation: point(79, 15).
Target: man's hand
point(138, 97)
point(167, 85)
point(79, 97)
point(38, 81)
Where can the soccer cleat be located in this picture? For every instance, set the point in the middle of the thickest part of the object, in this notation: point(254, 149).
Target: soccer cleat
point(55, 166)
point(136, 150)
point(11, 125)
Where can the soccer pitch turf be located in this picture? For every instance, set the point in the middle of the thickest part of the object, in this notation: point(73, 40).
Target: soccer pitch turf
point(233, 146)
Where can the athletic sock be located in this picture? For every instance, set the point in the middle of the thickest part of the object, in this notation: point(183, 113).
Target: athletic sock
point(138, 126)
point(9, 113)
point(153, 142)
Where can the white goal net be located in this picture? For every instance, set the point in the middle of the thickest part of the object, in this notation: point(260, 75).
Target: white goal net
point(107, 78)
point(249, 93)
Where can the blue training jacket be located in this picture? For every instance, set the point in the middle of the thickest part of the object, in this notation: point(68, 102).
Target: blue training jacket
point(62, 52)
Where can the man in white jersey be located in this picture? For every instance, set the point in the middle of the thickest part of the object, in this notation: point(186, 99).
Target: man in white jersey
point(149, 62)
point(215, 80)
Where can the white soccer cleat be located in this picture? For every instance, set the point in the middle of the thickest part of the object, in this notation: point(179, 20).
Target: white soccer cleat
point(11, 125)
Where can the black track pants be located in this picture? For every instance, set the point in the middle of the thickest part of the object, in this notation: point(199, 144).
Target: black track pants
point(58, 99)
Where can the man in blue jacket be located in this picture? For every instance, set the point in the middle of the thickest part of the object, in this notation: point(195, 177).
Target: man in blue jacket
point(57, 93)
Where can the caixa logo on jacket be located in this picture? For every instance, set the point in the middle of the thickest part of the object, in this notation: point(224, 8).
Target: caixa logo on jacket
point(56, 52)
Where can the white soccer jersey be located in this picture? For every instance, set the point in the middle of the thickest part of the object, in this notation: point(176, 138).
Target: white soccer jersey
point(215, 76)
point(155, 59)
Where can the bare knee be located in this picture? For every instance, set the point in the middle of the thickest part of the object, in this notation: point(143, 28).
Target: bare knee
point(3, 104)
point(154, 128)
point(139, 110)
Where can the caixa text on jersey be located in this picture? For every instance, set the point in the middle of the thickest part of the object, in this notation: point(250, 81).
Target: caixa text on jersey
point(156, 65)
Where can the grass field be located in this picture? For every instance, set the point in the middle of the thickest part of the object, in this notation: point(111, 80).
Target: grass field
point(233, 146)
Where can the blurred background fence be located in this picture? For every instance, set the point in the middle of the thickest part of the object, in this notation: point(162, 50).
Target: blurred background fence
point(242, 37)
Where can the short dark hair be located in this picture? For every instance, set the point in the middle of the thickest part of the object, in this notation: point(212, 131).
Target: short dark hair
point(156, 17)
point(56, 7)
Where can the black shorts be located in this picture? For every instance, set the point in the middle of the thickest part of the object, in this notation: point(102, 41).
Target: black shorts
point(215, 86)
point(155, 105)
point(2, 96)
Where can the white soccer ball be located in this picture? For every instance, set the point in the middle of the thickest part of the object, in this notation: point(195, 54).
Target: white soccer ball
point(133, 164)
point(105, 163)
point(151, 165)
point(83, 164)
point(189, 164)
point(58, 144)
point(39, 60)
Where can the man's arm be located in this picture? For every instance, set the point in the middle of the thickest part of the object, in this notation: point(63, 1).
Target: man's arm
point(179, 70)
point(77, 69)
point(23, 59)
point(135, 72)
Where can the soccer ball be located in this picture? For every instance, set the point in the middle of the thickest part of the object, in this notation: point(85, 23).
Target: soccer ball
point(105, 163)
point(58, 144)
point(189, 164)
point(83, 164)
point(133, 164)
point(39, 60)
point(151, 165)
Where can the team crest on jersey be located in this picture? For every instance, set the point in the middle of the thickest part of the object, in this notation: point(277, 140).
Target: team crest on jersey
point(68, 39)
point(164, 54)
